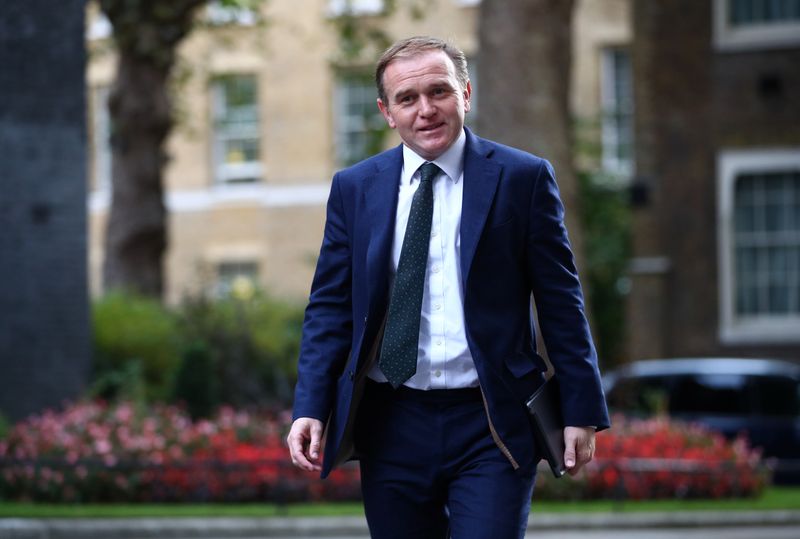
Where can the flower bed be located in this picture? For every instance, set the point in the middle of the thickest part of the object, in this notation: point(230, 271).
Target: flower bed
point(92, 452)
point(657, 458)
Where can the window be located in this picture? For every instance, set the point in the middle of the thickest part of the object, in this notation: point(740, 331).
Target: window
point(244, 14)
point(616, 91)
point(354, 7)
point(748, 24)
point(236, 147)
point(760, 245)
point(238, 278)
point(359, 124)
point(101, 139)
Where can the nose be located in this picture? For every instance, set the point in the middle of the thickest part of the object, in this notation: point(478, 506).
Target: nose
point(426, 107)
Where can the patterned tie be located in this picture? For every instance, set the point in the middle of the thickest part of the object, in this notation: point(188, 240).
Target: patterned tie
point(398, 359)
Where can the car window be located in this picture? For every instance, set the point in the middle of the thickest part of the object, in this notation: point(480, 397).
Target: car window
point(707, 394)
point(775, 395)
point(718, 394)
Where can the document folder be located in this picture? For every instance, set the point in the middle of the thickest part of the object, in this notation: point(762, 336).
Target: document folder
point(548, 424)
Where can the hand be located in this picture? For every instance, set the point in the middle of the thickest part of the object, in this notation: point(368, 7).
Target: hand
point(305, 439)
point(579, 442)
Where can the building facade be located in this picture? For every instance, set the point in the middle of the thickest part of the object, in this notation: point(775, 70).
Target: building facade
point(269, 112)
point(717, 190)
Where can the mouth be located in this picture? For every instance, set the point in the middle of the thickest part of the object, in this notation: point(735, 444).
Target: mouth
point(430, 128)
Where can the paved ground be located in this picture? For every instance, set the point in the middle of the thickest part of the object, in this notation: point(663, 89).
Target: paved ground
point(688, 525)
point(749, 532)
point(785, 532)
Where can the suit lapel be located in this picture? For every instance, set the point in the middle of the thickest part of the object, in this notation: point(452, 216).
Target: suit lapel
point(481, 176)
point(380, 194)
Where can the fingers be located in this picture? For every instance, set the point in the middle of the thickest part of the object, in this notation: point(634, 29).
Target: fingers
point(579, 442)
point(305, 440)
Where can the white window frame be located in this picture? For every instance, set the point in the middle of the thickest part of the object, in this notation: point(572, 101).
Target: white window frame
point(750, 37)
point(345, 123)
point(218, 15)
point(732, 328)
point(608, 105)
point(232, 173)
point(337, 8)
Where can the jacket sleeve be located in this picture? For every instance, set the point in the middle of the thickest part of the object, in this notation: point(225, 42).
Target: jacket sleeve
point(560, 307)
point(327, 327)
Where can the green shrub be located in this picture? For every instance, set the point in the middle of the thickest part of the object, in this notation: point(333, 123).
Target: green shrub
point(606, 218)
point(130, 329)
point(196, 382)
point(253, 344)
point(205, 352)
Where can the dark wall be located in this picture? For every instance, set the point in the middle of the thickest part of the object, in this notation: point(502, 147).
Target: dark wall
point(692, 101)
point(672, 60)
point(44, 330)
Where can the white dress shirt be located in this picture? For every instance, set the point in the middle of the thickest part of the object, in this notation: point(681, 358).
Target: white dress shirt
point(443, 358)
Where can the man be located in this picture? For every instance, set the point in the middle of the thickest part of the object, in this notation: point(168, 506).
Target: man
point(418, 349)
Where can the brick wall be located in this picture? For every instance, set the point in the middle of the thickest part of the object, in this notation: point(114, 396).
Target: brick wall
point(693, 100)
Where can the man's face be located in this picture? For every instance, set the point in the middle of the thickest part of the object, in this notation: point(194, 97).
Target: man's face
point(425, 102)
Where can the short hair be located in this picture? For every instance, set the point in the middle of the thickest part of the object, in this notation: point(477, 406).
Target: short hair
point(412, 46)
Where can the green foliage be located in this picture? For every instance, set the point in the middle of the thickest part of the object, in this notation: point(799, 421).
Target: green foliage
point(136, 347)
point(206, 352)
point(196, 383)
point(253, 345)
point(606, 218)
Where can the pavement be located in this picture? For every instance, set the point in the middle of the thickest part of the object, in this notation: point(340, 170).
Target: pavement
point(733, 524)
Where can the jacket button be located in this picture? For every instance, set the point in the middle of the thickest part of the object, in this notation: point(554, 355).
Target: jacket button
point(352, 375)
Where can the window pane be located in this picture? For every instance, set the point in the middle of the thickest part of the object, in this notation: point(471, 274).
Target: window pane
point(359, 124)
point(617, 114)
point(712, 394)
point(241, 150)
point(752, 12)
point(236, 277)
point(236, 128)
point(767, 243)
point(775, 396)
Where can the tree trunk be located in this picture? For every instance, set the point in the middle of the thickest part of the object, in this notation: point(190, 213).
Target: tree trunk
point(136, 234)
point(146, 35)
point(525, 65)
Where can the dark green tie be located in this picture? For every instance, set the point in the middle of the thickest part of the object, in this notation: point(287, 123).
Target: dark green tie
point(398, 359)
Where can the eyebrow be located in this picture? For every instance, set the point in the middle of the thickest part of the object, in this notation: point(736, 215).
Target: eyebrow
point(441, 83)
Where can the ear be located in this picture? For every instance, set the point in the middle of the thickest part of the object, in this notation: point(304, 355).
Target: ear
point(386, 114)
point(467, 97)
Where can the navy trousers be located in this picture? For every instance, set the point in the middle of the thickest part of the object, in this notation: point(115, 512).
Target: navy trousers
point(430, 468)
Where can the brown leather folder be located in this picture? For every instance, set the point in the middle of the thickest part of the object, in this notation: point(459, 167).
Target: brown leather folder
point(548, 425)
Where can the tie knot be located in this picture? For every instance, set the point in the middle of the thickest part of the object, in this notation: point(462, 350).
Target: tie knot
point(428, 171)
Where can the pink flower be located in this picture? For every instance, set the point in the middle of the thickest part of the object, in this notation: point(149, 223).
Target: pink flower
point(102, 446)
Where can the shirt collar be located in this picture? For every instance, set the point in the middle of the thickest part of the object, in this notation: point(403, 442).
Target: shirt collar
point(451, 161)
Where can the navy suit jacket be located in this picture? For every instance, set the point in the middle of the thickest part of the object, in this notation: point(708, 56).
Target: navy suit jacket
point(513, 244)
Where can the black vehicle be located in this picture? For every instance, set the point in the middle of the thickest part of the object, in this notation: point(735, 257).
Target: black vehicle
point(759, 397)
